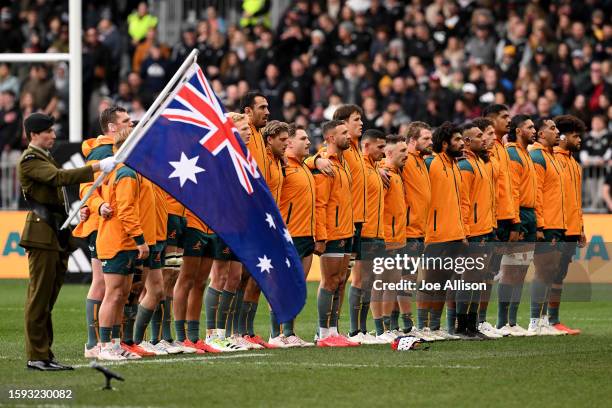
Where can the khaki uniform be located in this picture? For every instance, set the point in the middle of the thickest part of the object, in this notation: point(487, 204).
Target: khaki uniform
point(41, 180)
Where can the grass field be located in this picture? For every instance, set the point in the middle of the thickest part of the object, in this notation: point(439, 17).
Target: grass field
point(519, 372)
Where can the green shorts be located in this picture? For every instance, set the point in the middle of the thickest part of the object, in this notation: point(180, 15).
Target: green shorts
point(371, 248)
point(123, 263)
point(222, 251)
point(357, 240)
point(304, 246)
point(198, 244)
point(154, 261)
point(529, 225)
point(91, 244)
point(414, 247)
point(339, 246)
point(504, 227)
point(480, 238)
point(176, 230)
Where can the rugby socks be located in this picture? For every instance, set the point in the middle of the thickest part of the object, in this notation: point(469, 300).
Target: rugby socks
point(167, 319)
point(179, 326)
point(275, 329)
point(436, 316)
point(333, 321)
point(355, 308)
point(193, 330)
point(553, 305)
point(143, 317)
point(515, 301)
point(92, 307)
point(504, 293)
point(243, 316)
point(394, 322)
point(233, 328)
point(407, 322)
point(365, 310)
point(288, 328)
point(379, 325)
point(129, 317)
point(211, 304)
point(105, 334)
point(249, 321)
point(156, 320)
point(484, 302)
point(538, 296)
point(386, 322)
point(324, 307)
point(451, 316)
point(223, 313)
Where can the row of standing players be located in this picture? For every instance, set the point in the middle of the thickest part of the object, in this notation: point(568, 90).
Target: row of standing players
point(364, 195)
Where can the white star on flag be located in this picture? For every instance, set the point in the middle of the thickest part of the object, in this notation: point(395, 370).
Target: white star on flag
point(270, 220)
point(265, 264)
point(186, 169)
point(288, 263)
point(287, 235)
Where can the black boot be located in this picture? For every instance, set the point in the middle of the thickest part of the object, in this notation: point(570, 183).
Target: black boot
point(472, 327)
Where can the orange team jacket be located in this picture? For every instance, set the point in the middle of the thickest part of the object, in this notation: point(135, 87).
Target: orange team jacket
point(506, 207)
point(148, 214)
point(274, 175)
point(572, 184)
point(477, 186)
point(257, 147)
point(94, 150)
point(445, 220)
point(395, 210)
point(297, 203)
point(334, 207)
point(161, 213)
point(417, 190)
point(524, 179)
point(550, 201)
point(123, 230)
point(194, 222)
point(173, 206)
point(492, 169)
point(374, 225)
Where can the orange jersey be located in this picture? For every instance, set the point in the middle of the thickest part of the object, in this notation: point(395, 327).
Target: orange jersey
point(445, 220)
point(374, 225)
point(506, 208)
point(94, 150)
point(356, 164)
point(297, 203)
point(274, 175)
point(550, 201)
point(395, 210)
point(417, 189)
point(524, 179)
point(161, 213)
point(148, 214)
point(492, 169)
point(123, 230)
point(334, 208)
point(173, 206)
point(572, 183)
point(257, 147)
point(477, 207)
point(194, 222)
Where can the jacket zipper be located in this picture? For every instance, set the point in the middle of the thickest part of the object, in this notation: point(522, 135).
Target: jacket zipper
point(435, 219)
point(289, 213)
point(312, 207)
point(337, 207)
point(393, 226)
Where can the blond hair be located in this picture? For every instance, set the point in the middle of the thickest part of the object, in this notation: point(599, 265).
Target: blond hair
point(274, 128)
point(236, 117)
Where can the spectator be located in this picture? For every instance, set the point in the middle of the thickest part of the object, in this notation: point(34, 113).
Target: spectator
point(596, 156)
point(155, 70)
point(12, 39)
point(142, 50)
point(41, 88)
point(10, 122)
point(139, 23)
point(271, 88)
point(606, 192)
point(481, 47)
point(8, 82)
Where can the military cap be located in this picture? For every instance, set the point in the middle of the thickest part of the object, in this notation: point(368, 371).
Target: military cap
point(38, 122)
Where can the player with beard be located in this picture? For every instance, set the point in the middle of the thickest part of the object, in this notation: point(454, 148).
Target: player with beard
point(446, 232)
point(571, 129)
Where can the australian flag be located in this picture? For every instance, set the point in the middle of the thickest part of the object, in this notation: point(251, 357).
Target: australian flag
point(192, 150)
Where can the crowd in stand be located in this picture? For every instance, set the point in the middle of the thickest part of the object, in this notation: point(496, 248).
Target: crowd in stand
point(429, 61)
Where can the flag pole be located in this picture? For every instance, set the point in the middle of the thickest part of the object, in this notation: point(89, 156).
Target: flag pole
point(137, 132)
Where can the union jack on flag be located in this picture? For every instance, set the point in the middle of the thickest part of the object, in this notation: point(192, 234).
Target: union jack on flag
point(192, 150)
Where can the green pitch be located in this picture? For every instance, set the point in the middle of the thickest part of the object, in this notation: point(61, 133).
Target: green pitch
point(519, 372)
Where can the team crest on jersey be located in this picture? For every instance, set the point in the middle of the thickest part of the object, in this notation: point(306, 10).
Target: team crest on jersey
point(226, 250)
point(197, 245)
point(172, 234)
point(341, 243)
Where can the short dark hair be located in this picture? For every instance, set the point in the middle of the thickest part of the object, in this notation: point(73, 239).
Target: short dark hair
point(414, 129)
point(569, 124)
point(467, 126)
point(443, 133)
point(494, 109)
point(109, 115)
point(293, 128)
point(330, 125)
point(539, 123)
point(248, 100)
point(345, 111)
point(516, 122)
point(372, 134)
point(394, 139)
point(482, 123)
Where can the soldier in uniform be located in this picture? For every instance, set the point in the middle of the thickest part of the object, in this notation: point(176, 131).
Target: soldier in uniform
point(42, 181)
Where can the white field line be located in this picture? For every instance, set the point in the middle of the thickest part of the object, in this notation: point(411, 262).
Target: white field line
point(348, 365)
point(173, 360)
